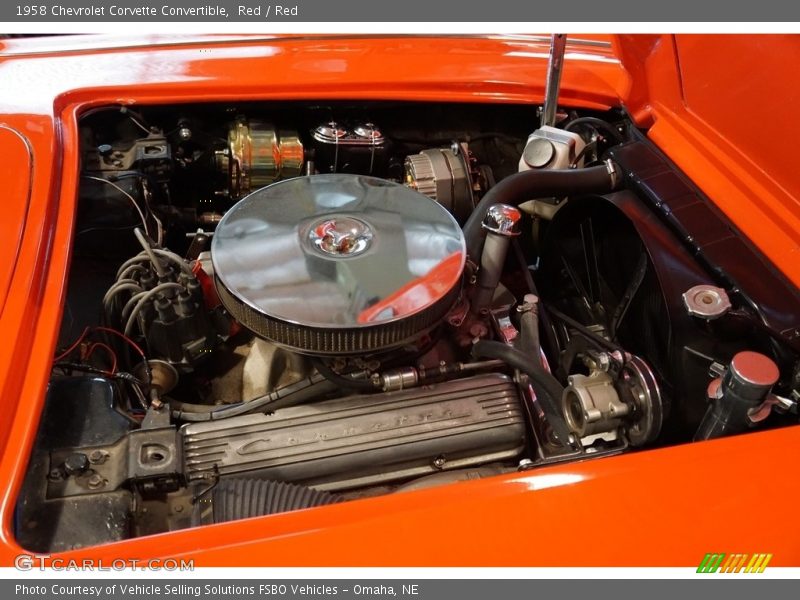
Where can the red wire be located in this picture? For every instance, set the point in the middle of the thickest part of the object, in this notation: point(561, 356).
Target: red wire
point(110, 353)
point(105, 347)
point(69, 350)
point(122, 336)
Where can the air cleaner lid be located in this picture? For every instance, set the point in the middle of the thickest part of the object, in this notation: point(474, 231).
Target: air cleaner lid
point(338, 253)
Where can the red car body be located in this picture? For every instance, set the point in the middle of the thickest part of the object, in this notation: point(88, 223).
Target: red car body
point(716, 105)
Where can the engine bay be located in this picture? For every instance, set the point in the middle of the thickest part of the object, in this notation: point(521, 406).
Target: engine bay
point(277, 306)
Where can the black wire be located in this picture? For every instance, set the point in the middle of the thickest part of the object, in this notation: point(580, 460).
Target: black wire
point(361, 385)
point(590, 147)
point(290, 395)
point(456, 138)
point(117, 342)
point(585, 331)
point(627, 297)
point(108, 228)
point(73, 366)
point(776, 336)
point(124, 111)
point(597, 124)
point(203, 491)
point(121, 375)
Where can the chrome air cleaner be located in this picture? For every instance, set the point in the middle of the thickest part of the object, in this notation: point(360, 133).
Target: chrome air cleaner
point(338, 264)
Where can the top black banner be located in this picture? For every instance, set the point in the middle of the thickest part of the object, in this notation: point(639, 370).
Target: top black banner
point(456, 11)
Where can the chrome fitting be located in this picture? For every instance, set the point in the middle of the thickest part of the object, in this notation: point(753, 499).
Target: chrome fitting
point(399, 379)
point(613, 172)
point(502, 219)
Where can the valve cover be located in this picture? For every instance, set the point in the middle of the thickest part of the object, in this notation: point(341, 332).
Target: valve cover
point(364, 440)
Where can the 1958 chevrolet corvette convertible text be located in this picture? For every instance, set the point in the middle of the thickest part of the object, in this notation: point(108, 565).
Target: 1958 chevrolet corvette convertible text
point(398, 300)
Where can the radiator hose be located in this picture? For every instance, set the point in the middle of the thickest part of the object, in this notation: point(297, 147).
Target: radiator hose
point(548, 389)
point(527, 185)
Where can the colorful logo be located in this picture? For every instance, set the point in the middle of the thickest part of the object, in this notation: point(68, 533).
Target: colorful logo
point(714, 562)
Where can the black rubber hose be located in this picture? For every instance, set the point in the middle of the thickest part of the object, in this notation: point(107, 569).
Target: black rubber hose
point(548, 389)
point(343, 381)
point(528, 339)
point(242, 498)
point(528, 185)
point(597, 124)
point(544, 318)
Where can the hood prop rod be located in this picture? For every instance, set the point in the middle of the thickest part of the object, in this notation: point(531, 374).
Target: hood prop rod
point(555, 64)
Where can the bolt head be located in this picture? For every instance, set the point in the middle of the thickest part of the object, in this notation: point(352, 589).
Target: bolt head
point(96, 456)
point(96, 481)
point(76, 463)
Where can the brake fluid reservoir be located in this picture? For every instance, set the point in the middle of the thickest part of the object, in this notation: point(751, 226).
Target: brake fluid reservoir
point(550, 148)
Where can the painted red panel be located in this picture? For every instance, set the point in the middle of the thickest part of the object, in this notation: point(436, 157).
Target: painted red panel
point(672, 505)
